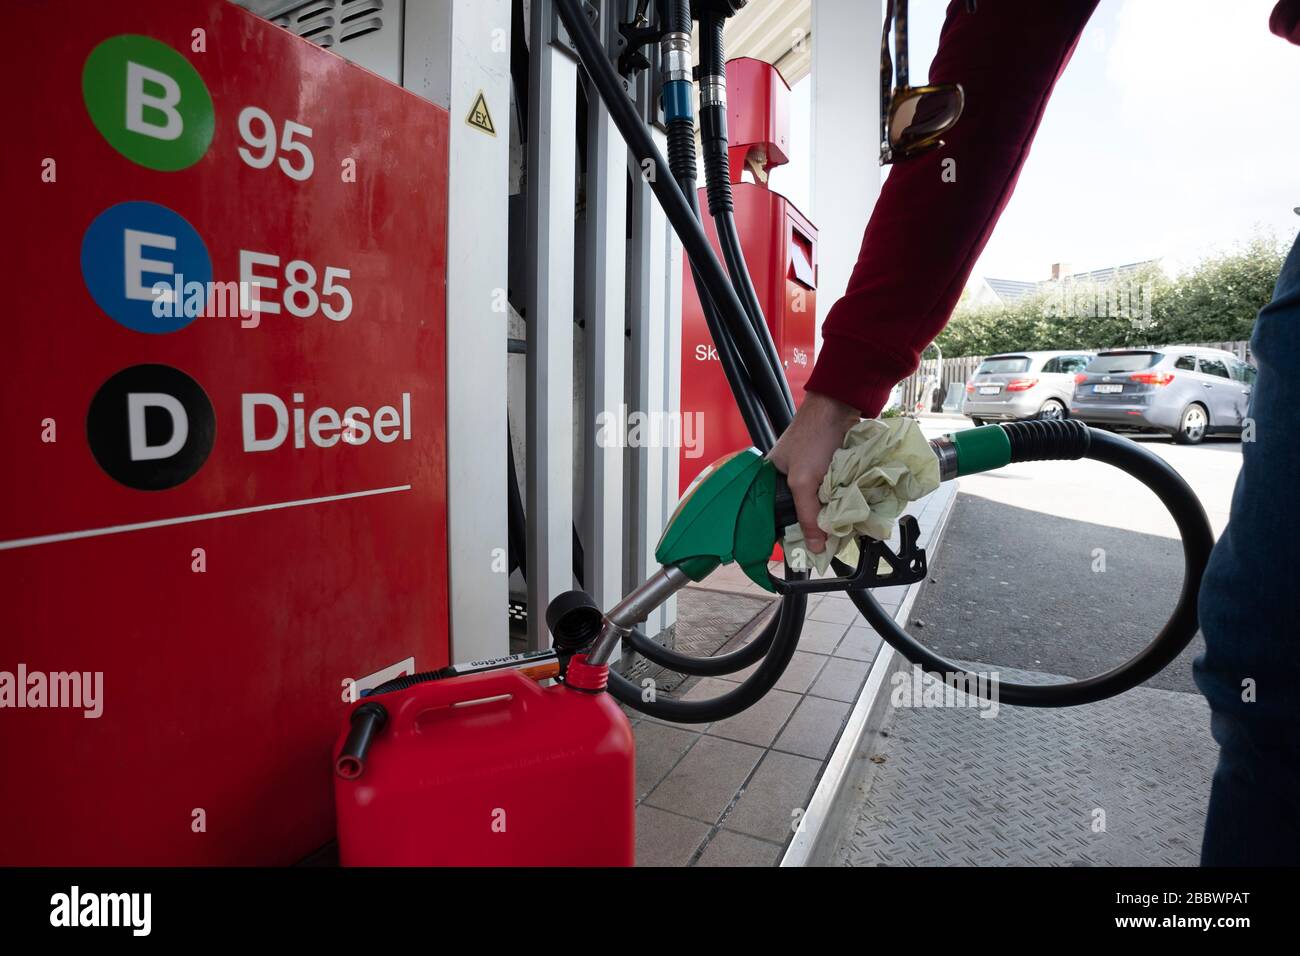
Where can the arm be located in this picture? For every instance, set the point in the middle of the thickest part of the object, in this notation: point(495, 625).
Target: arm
point(925, 234)
point(1285, 20)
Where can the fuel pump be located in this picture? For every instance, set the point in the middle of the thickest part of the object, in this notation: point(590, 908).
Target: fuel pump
point(577, 748)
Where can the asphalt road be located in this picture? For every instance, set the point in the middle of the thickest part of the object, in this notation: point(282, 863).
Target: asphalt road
point(1066, 567)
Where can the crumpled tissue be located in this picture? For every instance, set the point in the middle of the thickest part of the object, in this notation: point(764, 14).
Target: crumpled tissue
point(882, 465)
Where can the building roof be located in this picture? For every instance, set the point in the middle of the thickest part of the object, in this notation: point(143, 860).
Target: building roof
point(1109, 274)
point(1011, 291)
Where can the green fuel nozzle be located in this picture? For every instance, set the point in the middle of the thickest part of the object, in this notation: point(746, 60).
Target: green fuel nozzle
point(726, 515)
point(740, 506)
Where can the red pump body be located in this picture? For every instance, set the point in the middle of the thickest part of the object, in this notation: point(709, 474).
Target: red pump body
point(492, 769)
point(229, 595)
point(780, 247)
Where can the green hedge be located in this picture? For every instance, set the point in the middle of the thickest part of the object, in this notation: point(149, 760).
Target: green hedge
point(1216, 301)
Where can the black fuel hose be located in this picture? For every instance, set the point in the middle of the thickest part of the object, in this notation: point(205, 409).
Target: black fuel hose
point(760, 378)
point(771, 412)
point(713, 666)
point(789, 623)
point(681, 153)
point(681, 160)
point(678, 210)
point(1041, 441)
point(717, 174)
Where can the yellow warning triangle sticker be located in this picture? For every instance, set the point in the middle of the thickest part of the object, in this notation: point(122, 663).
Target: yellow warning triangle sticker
point(479, 117)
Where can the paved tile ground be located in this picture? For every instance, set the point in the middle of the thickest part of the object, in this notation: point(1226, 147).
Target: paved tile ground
point(1123, 782)
point(729, 793)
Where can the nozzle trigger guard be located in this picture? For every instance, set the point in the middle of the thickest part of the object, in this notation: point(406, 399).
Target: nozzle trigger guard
point(907, 566)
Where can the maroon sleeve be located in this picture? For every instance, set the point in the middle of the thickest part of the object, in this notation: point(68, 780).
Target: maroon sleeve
point(925, 234)
point(1285, 21)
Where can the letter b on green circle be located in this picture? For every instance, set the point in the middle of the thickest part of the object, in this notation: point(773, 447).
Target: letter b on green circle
point(148, 101)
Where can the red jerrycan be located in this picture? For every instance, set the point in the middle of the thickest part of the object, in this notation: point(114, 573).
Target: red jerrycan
point(491, 769)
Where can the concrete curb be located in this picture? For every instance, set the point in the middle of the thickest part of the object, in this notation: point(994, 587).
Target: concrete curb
point(849, 769)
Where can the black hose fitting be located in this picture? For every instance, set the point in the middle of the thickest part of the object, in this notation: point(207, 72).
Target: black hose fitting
point(717, 162)
point(713, 61)
point(679, 16)
point(1052, 440)
point(681, 150)
point(574, 620)
point(713, 115)
point(367, 721)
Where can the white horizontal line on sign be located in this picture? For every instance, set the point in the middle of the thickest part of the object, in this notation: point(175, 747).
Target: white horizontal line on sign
point(188, 519)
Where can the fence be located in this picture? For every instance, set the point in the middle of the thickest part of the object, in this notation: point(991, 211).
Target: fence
point(926, 388)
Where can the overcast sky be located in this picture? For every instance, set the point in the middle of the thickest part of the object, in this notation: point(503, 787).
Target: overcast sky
point(1175, 131)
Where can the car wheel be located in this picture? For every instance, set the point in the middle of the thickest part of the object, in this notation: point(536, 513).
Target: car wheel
point(977, 422)
point(1052, 411)
point(1192, 426)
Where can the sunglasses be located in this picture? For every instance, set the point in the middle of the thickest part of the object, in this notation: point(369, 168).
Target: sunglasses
point(912, 118)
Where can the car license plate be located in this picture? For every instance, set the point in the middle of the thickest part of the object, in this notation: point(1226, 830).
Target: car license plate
point(990, 389)
point(1107, 389)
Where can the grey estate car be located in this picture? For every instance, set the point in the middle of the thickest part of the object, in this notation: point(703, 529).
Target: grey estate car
point(1018, 385)
point(1184, 391)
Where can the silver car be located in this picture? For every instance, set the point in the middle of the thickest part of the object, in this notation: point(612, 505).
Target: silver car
point(1023, 385)
point(1184, 391)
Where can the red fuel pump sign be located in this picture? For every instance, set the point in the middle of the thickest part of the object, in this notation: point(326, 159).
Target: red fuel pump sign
point(224, 497)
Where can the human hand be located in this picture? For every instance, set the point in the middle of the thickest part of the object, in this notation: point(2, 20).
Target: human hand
point(803, 453)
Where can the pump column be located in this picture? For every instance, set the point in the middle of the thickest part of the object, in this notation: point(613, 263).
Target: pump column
point(605, 342)
point(653, 370)
point(552, 157)
point(454, 54)
point(845, 130)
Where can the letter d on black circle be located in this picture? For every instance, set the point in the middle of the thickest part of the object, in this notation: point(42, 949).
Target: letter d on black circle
point(151, 427)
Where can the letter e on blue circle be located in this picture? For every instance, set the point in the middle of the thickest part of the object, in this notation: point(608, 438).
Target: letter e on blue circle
point(133, 257)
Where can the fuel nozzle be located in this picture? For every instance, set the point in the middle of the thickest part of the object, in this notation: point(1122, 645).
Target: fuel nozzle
point(367, 721)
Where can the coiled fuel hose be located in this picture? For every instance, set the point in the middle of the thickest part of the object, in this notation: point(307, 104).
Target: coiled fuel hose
point(992, 446)
point(756, 379)
point(747, 353)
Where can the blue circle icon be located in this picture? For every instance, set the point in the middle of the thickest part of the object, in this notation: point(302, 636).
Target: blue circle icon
point(146, 267)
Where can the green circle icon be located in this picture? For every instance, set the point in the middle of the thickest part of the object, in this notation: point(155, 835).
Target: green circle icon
point(148, 101)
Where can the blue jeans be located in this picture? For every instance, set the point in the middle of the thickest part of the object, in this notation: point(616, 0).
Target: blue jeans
point(1250, 614)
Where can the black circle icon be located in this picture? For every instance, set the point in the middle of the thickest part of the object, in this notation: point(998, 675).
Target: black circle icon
point(151, 427)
